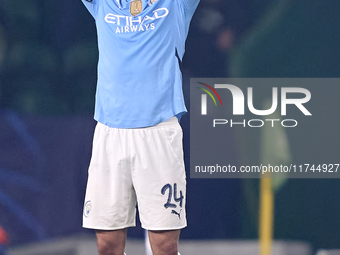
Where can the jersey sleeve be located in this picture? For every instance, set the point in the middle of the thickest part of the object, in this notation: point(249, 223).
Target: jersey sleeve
point(92, 7)
point(190, 6)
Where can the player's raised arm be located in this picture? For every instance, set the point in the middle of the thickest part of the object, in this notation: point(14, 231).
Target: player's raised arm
point(190, 6)
point(191, 2)
point(92, 6)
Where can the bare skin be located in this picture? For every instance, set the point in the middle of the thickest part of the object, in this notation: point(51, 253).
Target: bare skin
point(164, 242)
point(112, 242)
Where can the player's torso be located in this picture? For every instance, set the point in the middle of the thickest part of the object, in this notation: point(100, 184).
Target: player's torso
point(140, 46)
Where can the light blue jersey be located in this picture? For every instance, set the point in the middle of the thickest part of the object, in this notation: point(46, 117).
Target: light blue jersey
point(139, 79)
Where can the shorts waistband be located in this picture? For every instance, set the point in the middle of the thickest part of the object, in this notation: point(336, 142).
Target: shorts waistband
point(168, 122)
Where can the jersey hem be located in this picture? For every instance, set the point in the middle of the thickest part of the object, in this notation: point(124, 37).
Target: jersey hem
point(142, 124)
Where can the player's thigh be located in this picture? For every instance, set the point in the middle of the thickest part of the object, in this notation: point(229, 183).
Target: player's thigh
point(110, 200)
point(159, 177)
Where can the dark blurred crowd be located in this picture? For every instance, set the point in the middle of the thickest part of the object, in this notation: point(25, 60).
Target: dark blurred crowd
point(216, 27)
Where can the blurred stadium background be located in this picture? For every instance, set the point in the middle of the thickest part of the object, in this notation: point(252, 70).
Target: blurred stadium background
point(48, 57)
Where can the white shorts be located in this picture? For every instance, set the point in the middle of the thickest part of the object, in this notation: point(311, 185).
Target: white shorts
point(141, 166)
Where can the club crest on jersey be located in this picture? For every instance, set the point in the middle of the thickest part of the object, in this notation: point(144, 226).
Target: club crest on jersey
point(136, 7)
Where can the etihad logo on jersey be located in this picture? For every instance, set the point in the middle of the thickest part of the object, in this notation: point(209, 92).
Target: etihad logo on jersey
point(128, 24)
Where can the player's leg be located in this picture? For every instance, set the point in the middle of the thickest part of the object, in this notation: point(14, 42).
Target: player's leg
point(160, 184)
point(110, 200)
point(164, 242)
point(111, 242)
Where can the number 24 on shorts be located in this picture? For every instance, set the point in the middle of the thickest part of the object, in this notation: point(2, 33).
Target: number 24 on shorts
point(172, 195)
